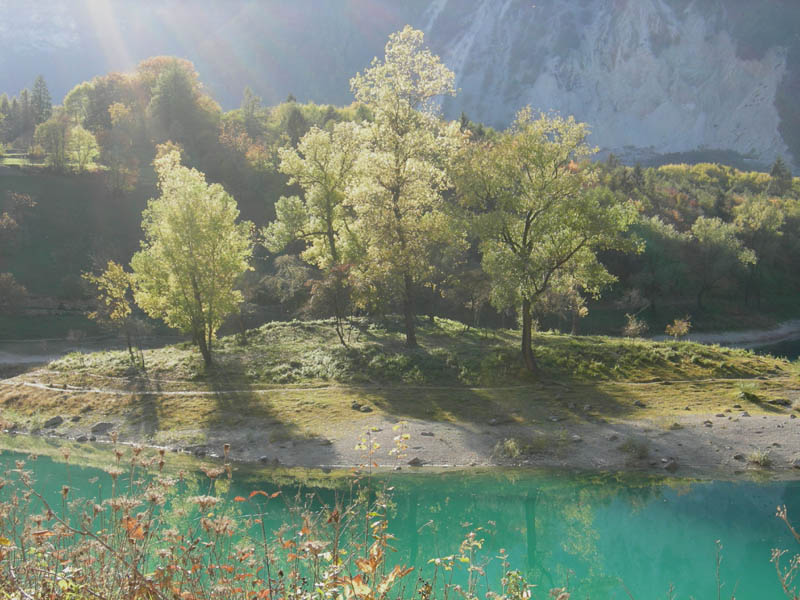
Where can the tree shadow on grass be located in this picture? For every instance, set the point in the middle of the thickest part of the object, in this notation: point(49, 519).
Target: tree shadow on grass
point(239, 407)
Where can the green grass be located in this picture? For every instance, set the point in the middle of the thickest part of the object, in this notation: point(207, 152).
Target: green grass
point(308, 353)
point(295, 381)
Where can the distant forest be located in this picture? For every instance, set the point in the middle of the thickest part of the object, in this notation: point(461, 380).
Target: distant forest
point(717, 243)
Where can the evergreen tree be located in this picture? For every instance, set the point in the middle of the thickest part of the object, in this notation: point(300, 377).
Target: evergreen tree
point(41, 103)
point(14, 120)
point(781, 178)
point(251, 107)
point(296, 125)
point(5, 119)
point(26, 115)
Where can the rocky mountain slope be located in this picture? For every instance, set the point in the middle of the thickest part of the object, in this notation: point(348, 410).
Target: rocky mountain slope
point(650, 76)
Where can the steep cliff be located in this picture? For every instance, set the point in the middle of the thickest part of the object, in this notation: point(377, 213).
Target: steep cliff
point(648, 75)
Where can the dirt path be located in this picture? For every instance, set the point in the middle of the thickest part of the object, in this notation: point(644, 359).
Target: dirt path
point(726, 444)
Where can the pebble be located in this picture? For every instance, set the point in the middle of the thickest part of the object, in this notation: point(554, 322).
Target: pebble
point(576, 438)
point(707, 423)
point(366, 409)
point(793, 416)
point(75, 418)
point(427, 433)
point(738, 457)
point(720, 415)
point(744, 414)
point(415, 462)
point(796, 463)
point(639, 403)
point(670, 465)
point(613, 437)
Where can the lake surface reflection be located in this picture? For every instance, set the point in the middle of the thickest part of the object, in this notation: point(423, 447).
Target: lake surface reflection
point(608, 536)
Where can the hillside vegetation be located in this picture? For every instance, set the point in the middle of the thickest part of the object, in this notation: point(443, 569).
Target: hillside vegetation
point(449, 354)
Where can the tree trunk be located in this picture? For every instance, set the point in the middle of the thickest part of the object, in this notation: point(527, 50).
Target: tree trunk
point(338, 310)
point(205, 350)
point(408, 312)
point(130, 345)
point(527, 325)
point(242, 327)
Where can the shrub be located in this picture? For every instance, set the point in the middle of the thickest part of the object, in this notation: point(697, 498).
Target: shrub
point(634, 327)
point(508, 448)
point(679, 327)
point(760, 458)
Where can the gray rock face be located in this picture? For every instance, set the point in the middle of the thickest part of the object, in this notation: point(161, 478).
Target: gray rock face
point(649, 75)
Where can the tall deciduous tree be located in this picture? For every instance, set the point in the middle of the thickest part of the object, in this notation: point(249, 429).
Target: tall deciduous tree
point(715, 254)
point(193, 253)
point(53, 136)
point(77, 102)
point(324, 165)
point(759, 221)
point(82, 148)
point(119, 152)
point(397, 196)
point(539, 218)
point(660, 269)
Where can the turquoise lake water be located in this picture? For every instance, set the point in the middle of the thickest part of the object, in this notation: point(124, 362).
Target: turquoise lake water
point(789, 349)
point(604, 534)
